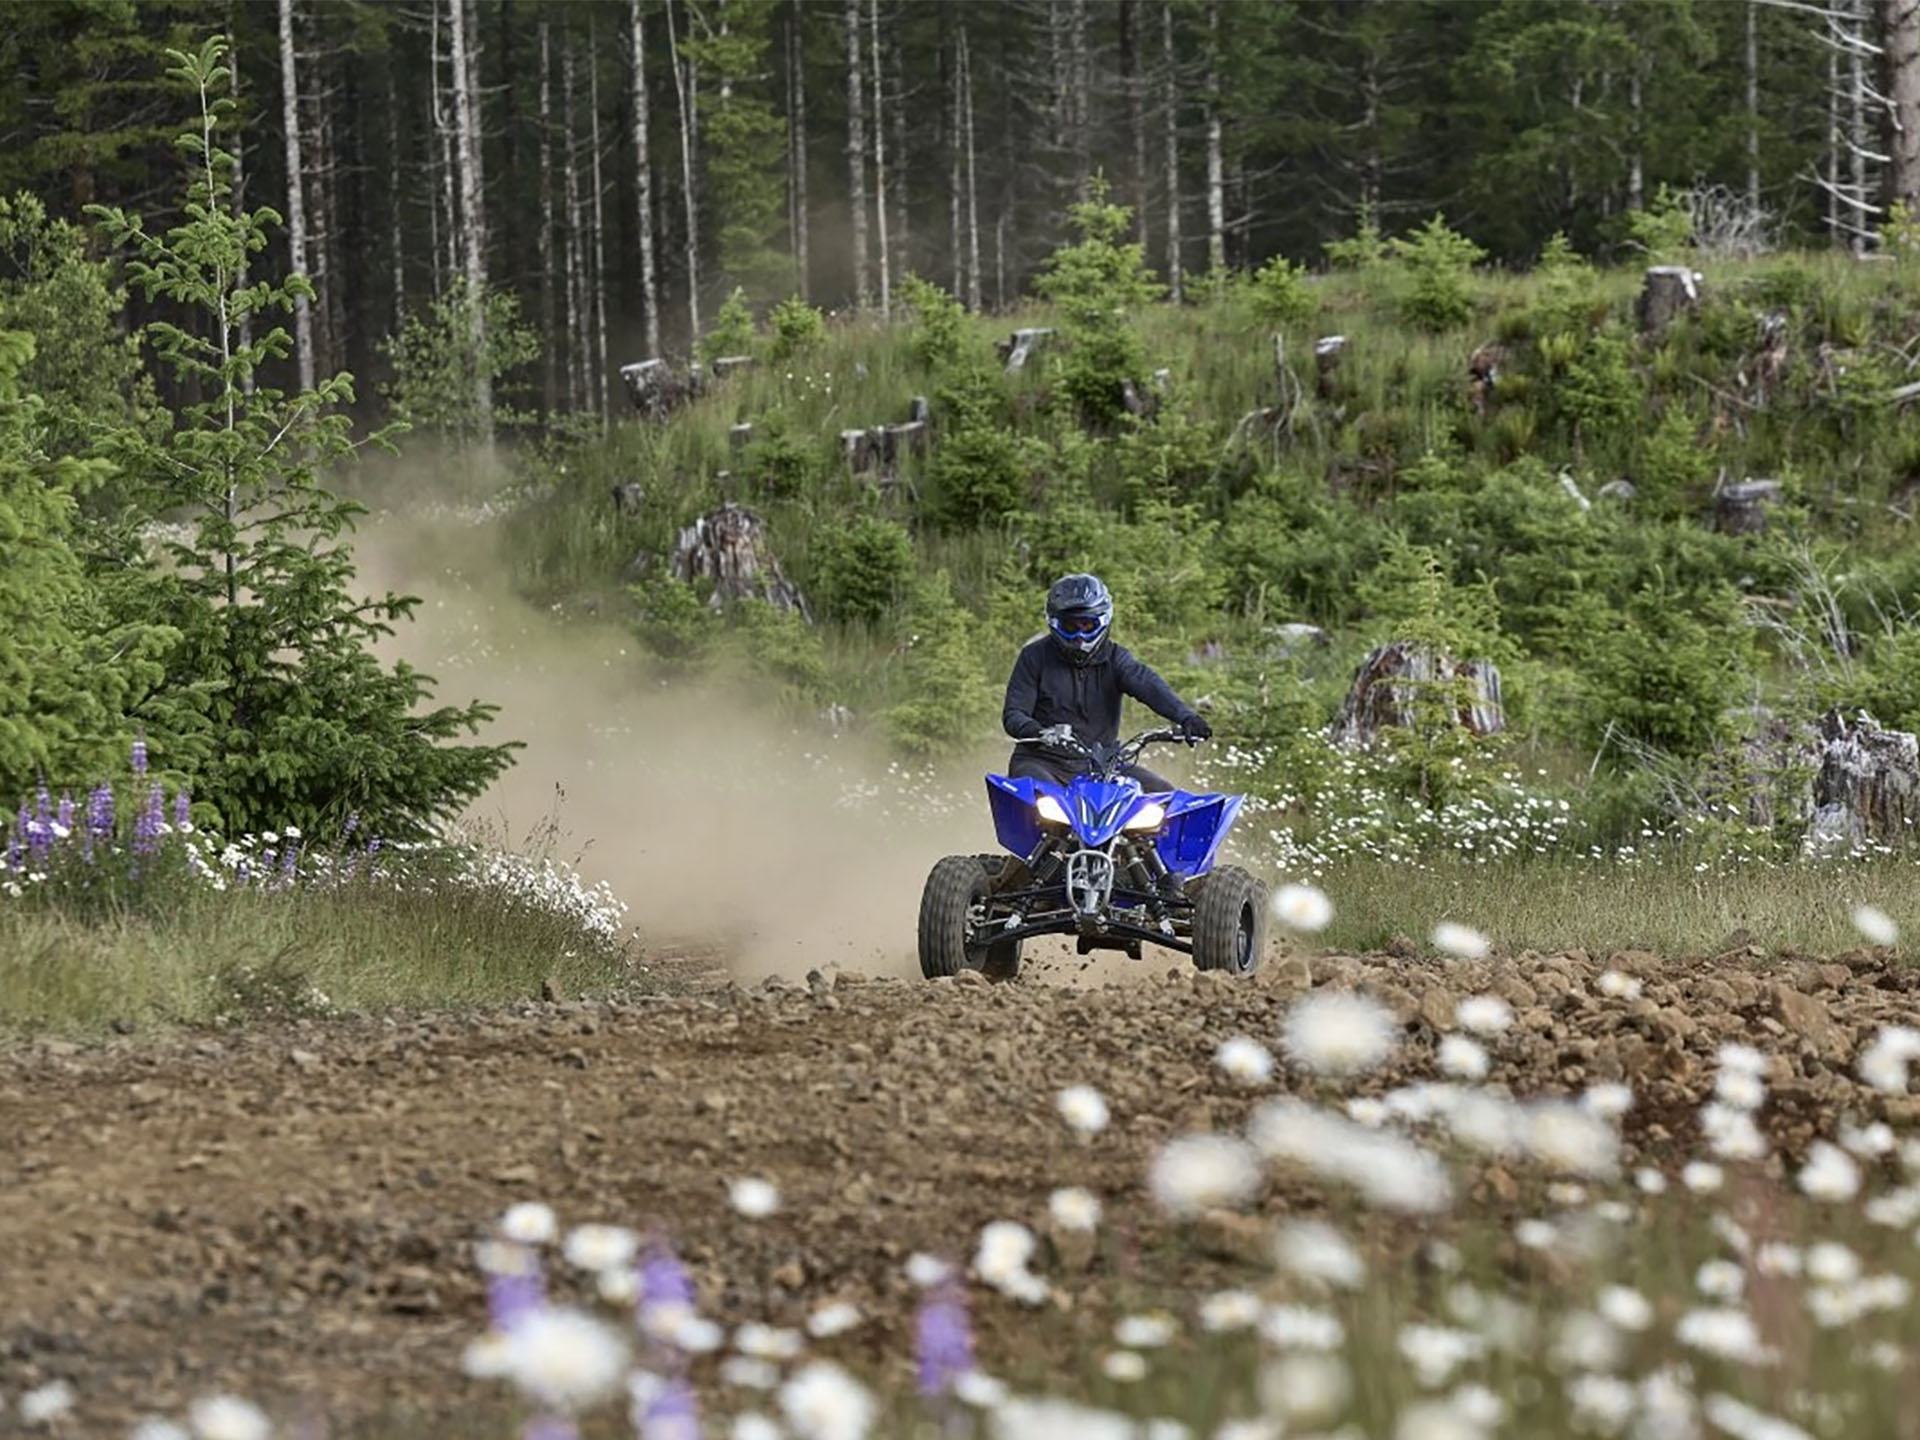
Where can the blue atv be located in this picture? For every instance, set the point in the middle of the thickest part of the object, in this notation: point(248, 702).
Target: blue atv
point(1103, 861)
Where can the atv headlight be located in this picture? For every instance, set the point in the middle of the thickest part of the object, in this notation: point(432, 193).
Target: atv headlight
point(1150, 816)
point(1051, 810)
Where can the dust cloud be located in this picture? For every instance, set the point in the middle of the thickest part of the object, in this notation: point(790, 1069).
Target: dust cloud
point(718, 825)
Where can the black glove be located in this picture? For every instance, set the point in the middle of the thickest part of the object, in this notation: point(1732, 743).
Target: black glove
point(1195, 728)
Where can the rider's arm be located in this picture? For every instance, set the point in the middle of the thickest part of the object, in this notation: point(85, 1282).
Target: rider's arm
point(1144, 684)
point(1023, 693)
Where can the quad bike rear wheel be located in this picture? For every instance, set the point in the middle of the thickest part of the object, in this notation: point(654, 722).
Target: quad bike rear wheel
point(957, 884)
point(1229, 921)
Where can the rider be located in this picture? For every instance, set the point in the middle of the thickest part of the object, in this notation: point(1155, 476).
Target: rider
point(1067, 686)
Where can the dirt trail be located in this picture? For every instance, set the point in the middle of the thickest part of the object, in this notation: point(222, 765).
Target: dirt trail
point(289, 1210)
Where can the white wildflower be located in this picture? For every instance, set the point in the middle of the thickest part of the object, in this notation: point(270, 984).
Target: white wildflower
point(926, 1271)
point(686, 1331)
point(1301, 1327)
point(1587, 1343)
point(564, 1360)
point(1725, 1332)
point(1702, 1177)
point(1022, 1418)
point(1609, 1100)
point(1335, 1032)
point(1483, 1014)
point(1125, 1366)
point(1248, 1430)
point(1462, 1058)
point(1460, 940)
point(1897, 1208)
point(1226, 1311)
point(1830, 1173)
point(1777, 1258)
point(601, 1247)
point(1731, 1133)
point(1742, 1089)
point(488, 1356)
point(1145, 1332)
point(1436, 1351)
point(1478, 1404)
point(1650, 1181)
point(1602, 1404)
point(1744, 1422)
point(1245, 1060)
point(834, 1318)
point(1832, 1263)
point(753, 1197)
point(1869, 1141)
point(1435, 1420)
point(530, 1223)
point(1566, 1194)
point(1618, 985)
point(1202, 1172)
point(1884, 1063)
point(1302, 907)
point(1720, 1280)
point(749, 1372)
point(1567, 1138)
point(1624, 1307)
point(1083, 1108)
point(1536, 1234)
point(981, 1391)
point(1074, 1209)
point(1875, 925)
point(47, 1403)
point(227, 1417)
point(1305, 1389)
point(153, 1427)
point(1315, 1250)
point(1367, 1110)
point(824, 1402)
point(768, 1342)
point(751, 1425)
point(617, 1287)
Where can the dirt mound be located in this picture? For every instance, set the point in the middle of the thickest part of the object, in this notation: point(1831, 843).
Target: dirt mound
point(290, 1210)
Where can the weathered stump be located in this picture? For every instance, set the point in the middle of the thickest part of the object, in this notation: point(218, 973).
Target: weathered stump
point(879, 449)
point(654, 389)
point(1621, 490)
point(1665, 292)
point(739, 437)
point(1404, 686)
point(1741, 508)
point(1769, 363)
point(1483, 374)
point(1328, 353)
point(1295, 637)
point(1867, 789)
point(628, 497)
point(728, 547)
point(725, 365)
point(1018, 348)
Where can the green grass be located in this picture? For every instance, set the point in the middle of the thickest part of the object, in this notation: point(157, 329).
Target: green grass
point(1665, 906)
point(218, 958)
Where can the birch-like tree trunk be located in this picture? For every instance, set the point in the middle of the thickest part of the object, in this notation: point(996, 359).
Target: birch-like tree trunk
point(902, 172)
point(1901, 27)
point(323, 238)
point(880, 162)
point(973, 189)
point(798, 223)
point(1636, 155)
point(576, 281)
point(549, 309)
point(1753, 105)
point(643, 178)
point(237, 142)
point(1216, 159)
point(396, 204)
point(296, 197)
point(1170, 99)
point(1858, 132)
point(857, 154)
point(603, 390)
point(1079, 100)
point(473, 215)
point(685, 89)
point(956, 164)
point(1133, 83)
point(441, 228)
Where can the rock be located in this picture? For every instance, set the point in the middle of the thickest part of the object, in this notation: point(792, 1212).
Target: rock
point(971, 979)
point(1075, 1249)
point(1020, 347)
point(303, 1059)
point(516, 1175)
point(1436, 1007)
point(1741, 508)
point(1807, 1016)
point(550, 991)
point(1228, 1235)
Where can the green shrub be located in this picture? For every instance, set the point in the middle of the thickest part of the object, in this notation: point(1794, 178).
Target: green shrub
point(948, 699)
point(732, 331)
point(1438, 262)
point(860, 567)
point(1281, 295)
point(1096, 283)
point(976, 476)
point(938, 337)
point(780, 463)
point(1664, 228)
point(797, 329)
point(1364, 249)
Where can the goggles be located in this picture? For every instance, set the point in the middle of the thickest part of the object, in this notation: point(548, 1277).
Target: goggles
point(1079, 624)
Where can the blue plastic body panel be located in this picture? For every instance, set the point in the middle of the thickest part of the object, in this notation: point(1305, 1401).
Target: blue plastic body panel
point(1099, 809)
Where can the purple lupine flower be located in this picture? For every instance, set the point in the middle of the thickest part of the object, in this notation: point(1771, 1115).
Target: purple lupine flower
point(16, 858)
point(549, 1427)
point(140, 754)
point(353, 823)
point(183, 812)
point(289, 864)
point(100, 812)
point(63, 814)
point(515, 1288)
point(37, 825)
point(150, 821)
point(943, 1340)
point(664, 1281)
point(671, 1412)
point(42, 803)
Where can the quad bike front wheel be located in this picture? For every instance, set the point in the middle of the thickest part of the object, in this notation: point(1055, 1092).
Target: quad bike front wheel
point(1229, 921)
point(957, 885)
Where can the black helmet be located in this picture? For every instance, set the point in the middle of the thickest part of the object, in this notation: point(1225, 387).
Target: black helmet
point(1079, 614)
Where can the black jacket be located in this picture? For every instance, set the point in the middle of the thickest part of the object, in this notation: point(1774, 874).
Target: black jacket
point(1049, 689)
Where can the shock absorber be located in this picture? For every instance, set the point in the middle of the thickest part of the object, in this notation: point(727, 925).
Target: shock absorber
point(1042, 866)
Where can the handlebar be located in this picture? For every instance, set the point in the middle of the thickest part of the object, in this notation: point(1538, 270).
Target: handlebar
point(1124, 752)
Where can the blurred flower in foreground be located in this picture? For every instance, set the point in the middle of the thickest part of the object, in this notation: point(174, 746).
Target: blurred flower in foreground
point(1483, 1014)
point(754, 1198)
point(824, 1402)
point(1083, 1108)
point(1830, 1173)
point(1462, 940)
point(1336, 1032)
point(1875, 925)
point(564, 1360)
point(1202, 1172)
point(1245, 1060)
point(1302, 907)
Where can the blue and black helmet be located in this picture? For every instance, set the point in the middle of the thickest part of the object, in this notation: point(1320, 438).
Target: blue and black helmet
point(1079, 613)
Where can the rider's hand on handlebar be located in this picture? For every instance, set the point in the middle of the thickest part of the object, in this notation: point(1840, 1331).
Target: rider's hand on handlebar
point(1195, 728)
point(1057, 735)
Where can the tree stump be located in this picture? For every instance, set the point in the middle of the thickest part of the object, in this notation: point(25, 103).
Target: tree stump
point(1867, 789)
point(1620, 490)
point(1483, 374)
point(728, 547)
point(1666, 291)
point(654, 389)
point(725, 365)
point(628, 497)
point(1769, 364)
point(1741, 508)
point(1396, 687)
point(1016, 350)
point(739, 437)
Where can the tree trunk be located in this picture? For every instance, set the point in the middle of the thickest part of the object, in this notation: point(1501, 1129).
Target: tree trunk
point(602, 389)
point(1216, 168)
point(1079, 112)
point(440, 227)
point(880, 162)
point(1858, 133)
point(857, 156)
point(797, 146)
point(973, 189)
point(239, 198)
point(1835, 234)
point(1753, 105)
point(1636, 157)
point(643, 180)
point(473, 215)
point(396, 208)
point(549, 340)
point(323, 240)
point(1902, 33)
point(897, 121)
point(956, 166)
point(576, 291)
point(685, 89)
point(296, 199)
point(1132, 82)
point(1170, 99)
